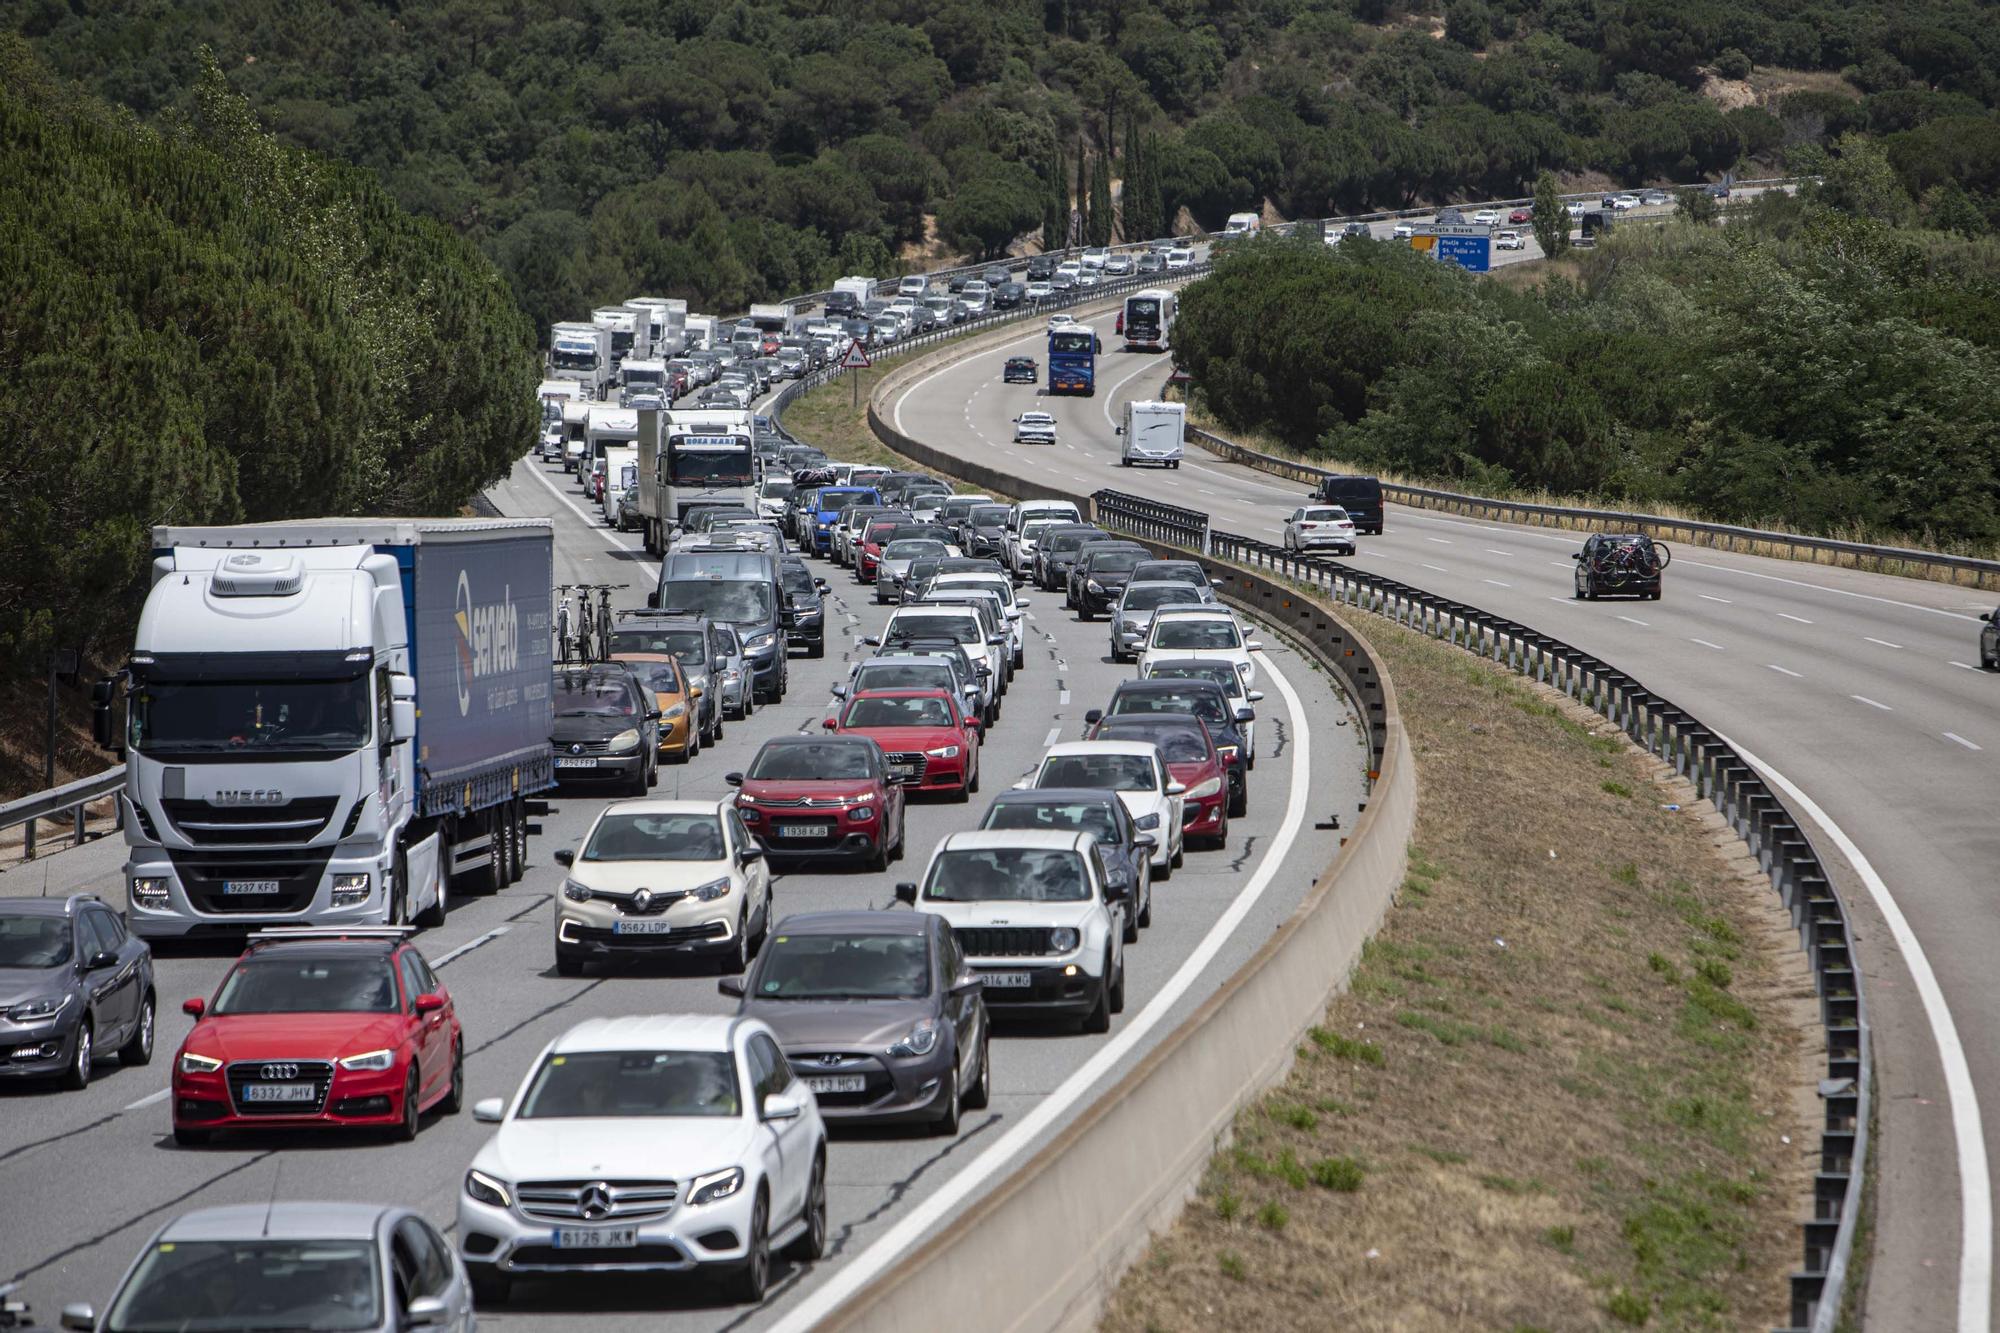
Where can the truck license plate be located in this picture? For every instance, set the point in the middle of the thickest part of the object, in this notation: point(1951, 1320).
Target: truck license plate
point(596, 1238)
point(641, 927)
point(576, 763)
point(838, 1083)
point(232, 887)
point(1006, 980)
point(280, 1092)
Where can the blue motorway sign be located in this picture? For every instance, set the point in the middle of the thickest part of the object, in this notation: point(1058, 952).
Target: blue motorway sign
point(1474, 254)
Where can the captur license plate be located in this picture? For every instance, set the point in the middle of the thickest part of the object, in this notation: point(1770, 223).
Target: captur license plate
point(838, 1083)
point(596, 1238)
point(231, 887)
point(280, 1092)
point(1006, 980)
point(641, 927)
point(576, 763)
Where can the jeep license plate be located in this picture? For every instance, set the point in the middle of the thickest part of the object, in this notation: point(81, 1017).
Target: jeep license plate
point(1006, 980)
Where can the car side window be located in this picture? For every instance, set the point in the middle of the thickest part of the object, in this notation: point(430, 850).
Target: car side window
point(110, 930)
point(430, 1267)
point(738, 834)
point(90, 940)
point(763, 1067)
point(425, 977)
point(413, 985)
point(1103, 869)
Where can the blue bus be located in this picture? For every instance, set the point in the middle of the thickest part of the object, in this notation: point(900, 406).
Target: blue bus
point(1073, 352)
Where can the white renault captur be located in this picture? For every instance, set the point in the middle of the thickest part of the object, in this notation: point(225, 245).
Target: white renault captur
point(1209, 632)
point(1038, 917)
point(664, 1143)
point(1137, 771)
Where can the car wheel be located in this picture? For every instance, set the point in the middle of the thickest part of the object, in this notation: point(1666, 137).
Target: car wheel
point(1180, 855)
point(1164, 871)
point(946, 1125)
point(568, 964)
point(750, 698)
point(811, 1246)
point(981, 1091)
point(737, 961)
point(77, 1077)
point(1098, 1020)
point(1145, 903)
point(138, 1048)
point(502, 843)
point(1131, 930)
point(517, 858)
point(878, 860)
point(490, 1286)
point(192, 1138)
point(406, 1130)
point(454, 1098)
point(747, 1284)
point(1239, 801)
point(1117, 1004)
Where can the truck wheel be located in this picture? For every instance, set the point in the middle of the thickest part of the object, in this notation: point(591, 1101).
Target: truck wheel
point(517, 859)
point(434, 914)
point(396, 891)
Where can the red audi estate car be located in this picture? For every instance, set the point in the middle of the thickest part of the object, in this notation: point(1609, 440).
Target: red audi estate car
point(823, 796)
point(1192, 759)
point(320, 1026)
point(931, 745)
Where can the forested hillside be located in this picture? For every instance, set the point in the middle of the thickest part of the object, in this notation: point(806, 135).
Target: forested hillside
point(731, 151)
point(203, 325)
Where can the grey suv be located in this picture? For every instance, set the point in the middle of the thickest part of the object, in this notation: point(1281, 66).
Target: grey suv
point(74, 983)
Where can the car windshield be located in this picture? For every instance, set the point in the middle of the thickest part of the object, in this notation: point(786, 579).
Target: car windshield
point(919, 711)
point(1219, 672)
point(904, 676)
point(1091, 817)
point(776, 488)
point(586, 1084)
point(1116, 562)
point(1106, 772)
point(593, 696)
point(1007, 874)
point(253, 1285)
point(684, 644)
point(814, 762)
point(1202, 703)
point(959, 629)
point(988, 516)
point(659, 677)
point(731, 466)
point(275, 984)
point(650, 836)
point(1147, 599)
point(738, 601)
point(1196, 634)
point(844, 967)
point(34, 941)
point(1180, 746)
point(910, 548)
point(171, 716)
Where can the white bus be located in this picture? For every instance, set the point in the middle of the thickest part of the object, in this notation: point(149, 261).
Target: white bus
point(1149, 320)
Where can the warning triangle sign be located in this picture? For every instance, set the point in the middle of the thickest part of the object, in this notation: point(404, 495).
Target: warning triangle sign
point(856, 359)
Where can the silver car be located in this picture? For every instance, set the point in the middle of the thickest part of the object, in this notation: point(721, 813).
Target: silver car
point(355, 1267)
point(1134, 613)
point(894, 566)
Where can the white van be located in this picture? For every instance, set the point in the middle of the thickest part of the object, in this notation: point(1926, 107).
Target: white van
point(1153, 433)
point(913, 284)
point(621, 469)
point(1243, 224)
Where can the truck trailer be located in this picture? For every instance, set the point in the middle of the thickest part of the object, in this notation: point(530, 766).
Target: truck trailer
point(331, 721)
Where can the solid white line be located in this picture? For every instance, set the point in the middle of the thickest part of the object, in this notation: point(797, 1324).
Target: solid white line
point(1634, 621)
point(1055, 734)
point(1838, 592)
point(1954, 736)
point(595, 522)
point(1975, 1255)
point(1784, 671)
point(1706, 644)
point(1864, 699)
point(1884, 642)
point(1789, 616)
point(1706, 598)
point(1110, 392)
point(470, 945)
point(925, 1218)
point(148, 1099)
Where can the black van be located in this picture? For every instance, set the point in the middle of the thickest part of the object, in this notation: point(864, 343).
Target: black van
point(1361, 497)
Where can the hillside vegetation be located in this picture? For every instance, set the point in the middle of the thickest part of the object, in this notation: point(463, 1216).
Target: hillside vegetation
point(729, 152)
point(203, 325)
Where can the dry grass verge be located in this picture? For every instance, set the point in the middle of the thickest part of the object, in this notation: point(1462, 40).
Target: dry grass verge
point(1558, 1092)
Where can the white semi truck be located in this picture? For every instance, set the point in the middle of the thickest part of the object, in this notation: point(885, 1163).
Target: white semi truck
point(622, 325)
point(581, 352)
point(331, 721)
point(666, 323)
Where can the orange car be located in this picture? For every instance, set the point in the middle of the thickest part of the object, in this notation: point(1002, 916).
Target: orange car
point(680, 731)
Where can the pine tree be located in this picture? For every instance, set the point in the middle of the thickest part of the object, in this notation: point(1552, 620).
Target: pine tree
point(1551, 219)
point(1131, 214)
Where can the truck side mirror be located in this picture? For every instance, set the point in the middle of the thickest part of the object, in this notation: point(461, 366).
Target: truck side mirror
point(103, 698)
point(403, 720)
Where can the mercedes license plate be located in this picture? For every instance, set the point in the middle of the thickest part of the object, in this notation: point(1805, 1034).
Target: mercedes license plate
point(280, 1092)
point(1006, 980)
point(641, 927)
point(838, 1083)
point(596, 1238)
point(800, 830)
point(576, 763)
point(231, 887)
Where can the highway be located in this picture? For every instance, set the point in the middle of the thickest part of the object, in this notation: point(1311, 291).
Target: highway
point(86, 1176)
point(1858, 691)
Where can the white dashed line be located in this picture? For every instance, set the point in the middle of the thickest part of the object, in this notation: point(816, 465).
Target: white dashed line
point(1439, 568)
point(1957, 739)
point(1706, 644)
point(1784, 671)
point(1864, 699)
point(1441, 541)
point(1062, 699)
point(161, 1095)
point(1497, 583)
point(1055, 734)
point(1632, 620)
point(1884, 642)
point(1706, 598)
point(1789, 616)
point(471, 944)
point(1966, 666)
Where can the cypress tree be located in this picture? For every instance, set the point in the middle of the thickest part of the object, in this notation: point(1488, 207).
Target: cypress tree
point(1083, 199)
point(1098, 229)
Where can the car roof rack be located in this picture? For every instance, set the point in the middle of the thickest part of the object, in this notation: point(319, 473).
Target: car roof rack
point(290, 934)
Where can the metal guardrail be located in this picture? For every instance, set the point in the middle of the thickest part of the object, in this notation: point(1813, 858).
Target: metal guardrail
point(68, 799)
point(1697, 532)
point(1717, 771)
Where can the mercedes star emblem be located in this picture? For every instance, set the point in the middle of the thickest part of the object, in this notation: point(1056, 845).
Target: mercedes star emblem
point(595, 1201)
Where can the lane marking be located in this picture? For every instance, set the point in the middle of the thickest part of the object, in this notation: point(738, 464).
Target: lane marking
point(1784, 671)
point(1497, 583)
point(1789, 616)
point(471, 944)
point(1864, 699)
point(926, 1217)
point(1706, 644)
point(1633, 620)
point(1955, 737)
point(1838, 592)
point(1441, 541)
point(1966, 665)
point(1439, 568)
point(148, 1099)
point(1975, 1255)
point(1706, 598)
point(1884, 642)
point(1055, 734)
point(594, 523)
point(1062, 699)
point(1494, 550)
point(1112, 392)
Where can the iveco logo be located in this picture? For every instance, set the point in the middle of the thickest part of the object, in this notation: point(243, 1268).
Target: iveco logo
point(595, 1201)
point(278, 1071)
point(248, 796)
point(642, 900)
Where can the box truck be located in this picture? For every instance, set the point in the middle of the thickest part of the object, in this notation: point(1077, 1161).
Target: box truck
point(666, 325)
point(1153, 433)
point(581, 352)
point(331, 721)
point(770, 317)
point(621, 323)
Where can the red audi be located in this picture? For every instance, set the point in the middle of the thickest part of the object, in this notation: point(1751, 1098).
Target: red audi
point(1191, 758)
point(823, 796)
point(931, 744)
point(868, 550)
point(334, 1026)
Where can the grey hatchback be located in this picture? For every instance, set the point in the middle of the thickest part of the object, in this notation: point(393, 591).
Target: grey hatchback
point(877, 1012)
point(74, 983)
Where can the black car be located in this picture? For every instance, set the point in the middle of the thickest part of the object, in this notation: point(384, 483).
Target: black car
point(1100, 575)
point(1056, 549)
point(1152, 262)
point(1128, 853)
point(1989, 640)
point(74, 985)
point(1619, 564)
point(1041, 268)
point(984, 532)
point(606, 729)
point(1361, 497)
point(1020, 370)
point(1009, 295)
point(877, 1012)
point(1207, 700)
point(804, 613)
point(1174, 571)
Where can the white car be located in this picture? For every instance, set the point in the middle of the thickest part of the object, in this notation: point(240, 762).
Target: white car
point(1090, 277)
point(1003, 588)
point(962, 625)
point(1069, 266)
point(1621, 202)
point(656, 878)
point(1487, 217)
point(1039, 290)
point(1038, 918)
point(1210, 633)
point(1577, 208)
point(656, 1143)
point(772, 493)
point(1137, 771)
point(1316, 526)
point(1402, 231)
point(1118, 266)
point(1181, 256)
point(1509, 240)
point(1034, 428)
point(1095, 257)
point(913, 284)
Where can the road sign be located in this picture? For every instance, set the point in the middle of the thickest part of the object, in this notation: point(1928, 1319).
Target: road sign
point(1474, 254)
point(1423, 245)
point(1457, 229)
point(856, 359)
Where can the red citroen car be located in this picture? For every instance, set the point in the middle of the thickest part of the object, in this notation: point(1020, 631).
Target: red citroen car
point(930, 743)
point(868, 549)
point(333, 1026)
point(1193, 761)
point(823, 796)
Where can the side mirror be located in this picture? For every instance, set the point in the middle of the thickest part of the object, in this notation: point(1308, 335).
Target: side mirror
point(1014, 612)
point(653, 601)
point(102, 958)
point(1023, 602)
point(730, 986)
point(1093, 717)
point(425, 1312)
point(194, 1008)
point(430, 1003)
point(1117, 430)
point(820, 584)
point(103, 696)
point(1145, 842)
point(831, 723)
point(872, 641)
point(1255, 697)
point(491, 1111)
point(1115, 892)
point(1576, 555)
point(80, 1316)
point(696, 691)
point(1176, 788)
point(840, 691)
point(652, 715)
point(1246, 715)
point(749, 854)
point(565, 856)
point(966, 982)
point(1986, 616)
point(402, 720)
point(906, 892)
point(777, 1107)
point(1253, 645)
point(733, 779)
point(1217, 583)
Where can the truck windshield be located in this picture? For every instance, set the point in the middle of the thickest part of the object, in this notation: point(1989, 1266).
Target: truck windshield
point(574, 358)
point(736, 601)
point(169, 716)
point(1080, 342)
point(726, 467)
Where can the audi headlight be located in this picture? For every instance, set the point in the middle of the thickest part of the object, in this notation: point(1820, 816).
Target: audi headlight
point(36, 1011)
point(198, 1064)
point(575, 892)
point(709, 892)
point(485, 1189)
point(716, 1185)
point(943, 752)
point(370, 1060)
point(625, 740)
point(919, 1040)
point(1202, 789)
point(673, 712)
point(349, 890)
